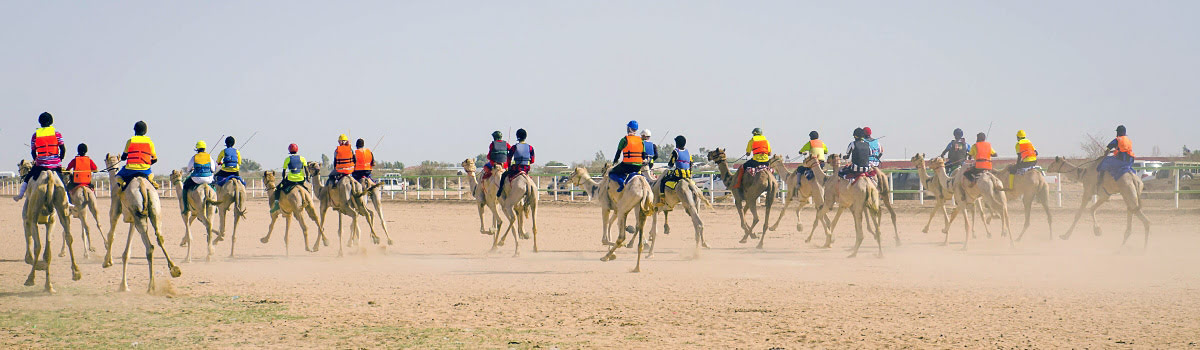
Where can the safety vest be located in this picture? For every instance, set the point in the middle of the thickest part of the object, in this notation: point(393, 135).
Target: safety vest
point(522, 154)
point(231, 159)
point(202, 166)
point(817, 148)
point(683, 160)
point(983, 155)
point(651, 151)
point(343, 159)
point(84, 167)
point(1025, 151)
point(140, 153)
point(295, 168)
point(362, 159)
point(45, 142)
point(1124, 145)
point(876, 152)
point(860, 154)
point(499, 152)
point(634, 151)
point(958, 152)
point(760, 148)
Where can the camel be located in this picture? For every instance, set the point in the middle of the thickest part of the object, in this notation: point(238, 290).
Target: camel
point(861, 196)
point(988, 188)
point(84, 199)
point(1031, 186)
point(291, 204)
point(199, 202)
point(686, 193)
point(580, 178)
point(636, 195)
point(139, 204)
point(45, 197)
point(754, 185)
point(346, 198)
point(939, 185)
point(884, 183)
point(374, 191)
point(1129, 186)
point(803, 191)
point(231, 194)
point(485, 196)
point(520, 200)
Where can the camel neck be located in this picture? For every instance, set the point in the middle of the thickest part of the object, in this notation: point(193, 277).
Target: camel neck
point(726, 177)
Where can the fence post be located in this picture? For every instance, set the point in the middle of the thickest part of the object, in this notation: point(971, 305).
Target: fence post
point(920, 188)
point(445, 189)
point(555, 179)
point(1058, 185)
point(891, 180)
point(1176, 171)
point(712, 188)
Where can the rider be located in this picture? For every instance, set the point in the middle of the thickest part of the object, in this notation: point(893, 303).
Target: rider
point(1122, 155)
point(982, 152)
point(816, 148)
point(859, 154)
point(497, 155)
point(680, 164)
point(343, 161)
point(47, 149)
point(520, 156)
point(651, 150)
point(364, 160)
point(957, 150)
point(760, 148)
point(139, 155)
point(876, 150)
point(231, 162)
point(200, 171)
point(1026, 157)
point(81, 169)
point(631, 152)
point(294, 174)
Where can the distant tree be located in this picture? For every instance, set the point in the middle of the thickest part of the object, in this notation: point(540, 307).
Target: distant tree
point(664, 151)
point(250, 165)
point(481, 159)
point(324, 161)
point(1092, 147)
point(1155, 152)
point(554, 163)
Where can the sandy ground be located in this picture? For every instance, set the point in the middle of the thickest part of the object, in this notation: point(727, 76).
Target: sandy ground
point(438, 288)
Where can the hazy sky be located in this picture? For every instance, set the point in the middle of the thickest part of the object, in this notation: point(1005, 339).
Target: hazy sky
point(437, 77)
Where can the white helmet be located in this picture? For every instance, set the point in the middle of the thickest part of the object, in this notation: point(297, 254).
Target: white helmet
point(645, 132)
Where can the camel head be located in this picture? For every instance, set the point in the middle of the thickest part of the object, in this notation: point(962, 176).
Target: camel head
point(918, 159)
point(111, 161)
point(775, 159)
point(24, 166)
point(176, 176)
point(812, 162)
point(1058, 166)
point(603, 170)
point(937, 163)
point(469, 165)
point(314, 169)
point(834, 162)
point(717, 155)
point(578, 175)
point(269, 177)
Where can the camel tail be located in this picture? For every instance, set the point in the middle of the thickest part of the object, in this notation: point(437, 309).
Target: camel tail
point(696, 191)
point(239, 200)
point(530, 199)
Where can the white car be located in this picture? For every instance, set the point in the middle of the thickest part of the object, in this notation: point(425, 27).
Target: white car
point(1146, 173)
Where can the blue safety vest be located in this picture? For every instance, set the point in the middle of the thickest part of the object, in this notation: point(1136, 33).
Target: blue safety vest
point(522, 154)
point(683, 160)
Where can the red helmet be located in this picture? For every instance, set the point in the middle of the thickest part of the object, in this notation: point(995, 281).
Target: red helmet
point(867, 130)
point(293, 148)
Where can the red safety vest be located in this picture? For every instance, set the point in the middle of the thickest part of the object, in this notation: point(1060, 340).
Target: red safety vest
point(1026, 150)
point(45, 142)
point(634, 150)
point(343, 159)
point(1124, 145)
point(983, 155)
point(761, 146)
point(139, 151)
point(83, 169)
point(362, 159)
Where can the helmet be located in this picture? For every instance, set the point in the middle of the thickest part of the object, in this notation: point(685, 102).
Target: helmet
point(201, 145)
point(1020, 134)
point(497, 135)
point(343, 137)
point(756, 131)
point(633, 125)
point(958, 133)
point(646, 133)
point(45, 119)
point(858, 132)
point(867, 131)
point(1120, 130)
point(293, 148)
point(521, 134)
point(813, 135)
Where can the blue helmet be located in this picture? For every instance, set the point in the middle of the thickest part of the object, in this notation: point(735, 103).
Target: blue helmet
point(632, 125)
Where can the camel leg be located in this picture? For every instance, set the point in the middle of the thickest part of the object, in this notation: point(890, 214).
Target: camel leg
point(604, 226)
point(766, 217)
point(533, 223)
point(1049, 219)
point(32, 257)
point(125, 261)
point(821, 218)
point(946, 231)
point(287, 227)
point(233, 235)
point(482, 226)
point(339, 216)
point(1027, 201)
point(692, 209)
point(1100, 200)
point(1083, 204)
point(641, 229)
point(857, 213)
point(938, 205)
point(149, 254)
point(621, 219)
point(46, 257)
point(303, 228)
point(113, 216)
point(741, 210)
point(187, 236)
point(271, 228)
point(786, 205)
point(892, 213)
point(799, 226)
point(653, 226)
point(95, 217)
point(496, 222)
point(379, 215)
point(222, 211)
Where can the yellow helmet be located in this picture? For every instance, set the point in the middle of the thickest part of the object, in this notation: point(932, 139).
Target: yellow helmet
point(1020, 134)
point(343, 137)
point(201, 145)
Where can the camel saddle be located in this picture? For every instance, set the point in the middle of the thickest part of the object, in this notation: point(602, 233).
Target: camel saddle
point(1022, 171)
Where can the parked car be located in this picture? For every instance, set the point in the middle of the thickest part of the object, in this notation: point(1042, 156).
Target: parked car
point(1146, 173)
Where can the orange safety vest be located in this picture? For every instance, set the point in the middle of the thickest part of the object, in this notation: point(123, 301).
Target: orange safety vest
point(362, 159)
point(634, 150)
point(1025, 151)
point(84, 167)
point(983, 155)
point(761, 146)
point(815, 144)
point(343, 159)
point(1124, 145)
point(45, 142)
point(139, 151)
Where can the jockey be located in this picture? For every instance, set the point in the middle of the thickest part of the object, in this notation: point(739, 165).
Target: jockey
point(651, 150)
point(759, 150)
point(343, 161)
point(680, 164)
point(47, 149)
point(520, 156)
point(1122, 155)
point(816, 148)
point(294, 174)
point(1026, 157)
point(200, 171)
point(81, 169)
point(859, 154)
point(631, 152)
point(982, 152)
point(364, 161)
point(231, 162)
point(957, 150)
point(139, 155)
point(876, 150)
point(497, 155)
